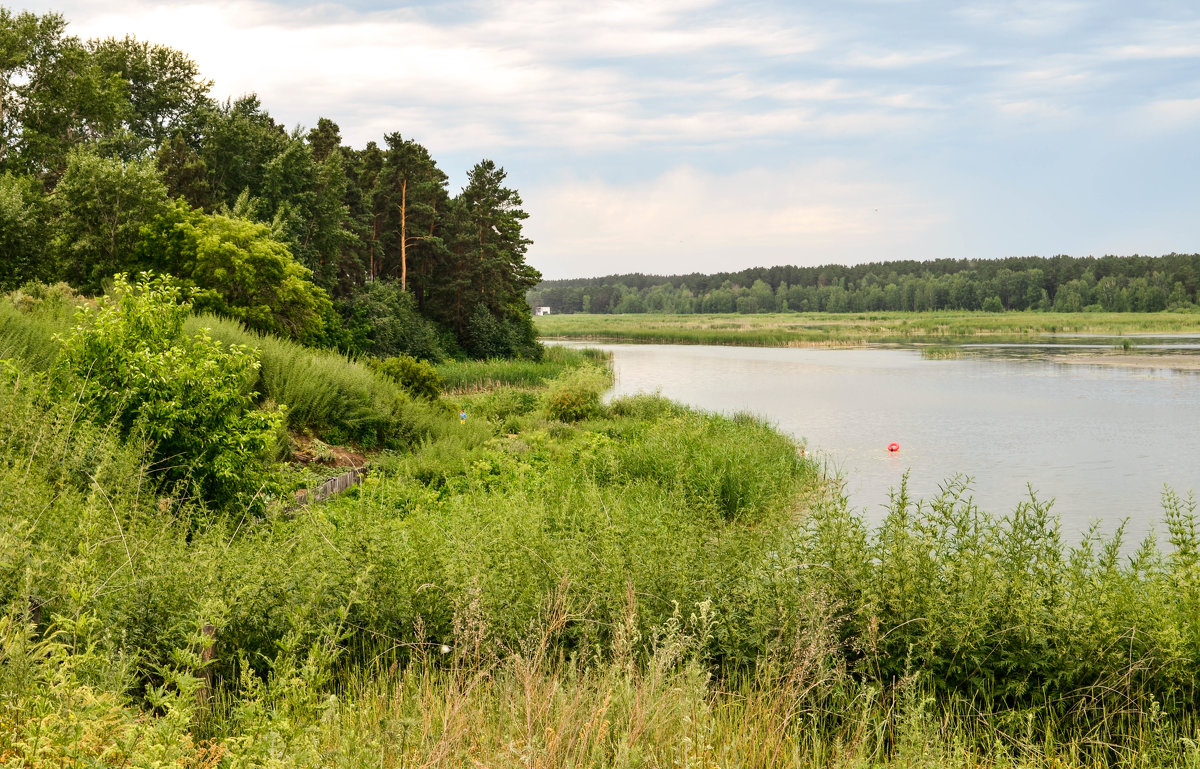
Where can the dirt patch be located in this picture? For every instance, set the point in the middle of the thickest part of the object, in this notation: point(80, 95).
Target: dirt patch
point(309, 450)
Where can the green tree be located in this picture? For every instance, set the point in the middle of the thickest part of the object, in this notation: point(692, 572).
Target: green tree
point(487, 263)
point(165, 95)
point(54, 95)
point(237, 268)
point(409, 201)
point(303, 198)
point(100, 207)
point(239, 140)
point(23, 232)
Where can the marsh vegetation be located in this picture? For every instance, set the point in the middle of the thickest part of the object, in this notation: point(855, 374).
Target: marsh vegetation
point(554, 581)
point(854, 329)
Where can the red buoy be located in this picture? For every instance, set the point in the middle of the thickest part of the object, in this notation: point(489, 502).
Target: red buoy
point(893, 447)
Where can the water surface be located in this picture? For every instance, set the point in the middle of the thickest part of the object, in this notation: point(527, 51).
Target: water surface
point(1101, 441)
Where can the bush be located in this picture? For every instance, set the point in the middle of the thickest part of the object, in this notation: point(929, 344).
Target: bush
point(416, 377)
point(510, 335)
point(237, 268)
point(383, 321)
point(576, 394)
point(191, 398)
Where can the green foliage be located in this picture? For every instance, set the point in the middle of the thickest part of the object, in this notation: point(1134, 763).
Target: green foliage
point(23, 231)
point(236, 268)
point(503, 403)
point(384, 321)
point(190, 398)
point(30, 318)
point(576, 394)
point(602, 570)
point(716, 463)
point(101, 205)
point(417, 377)
point(327, 393)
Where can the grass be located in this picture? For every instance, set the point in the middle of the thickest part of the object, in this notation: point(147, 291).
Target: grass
point(833, 330)
point(326, 392)
point(475, 375)
point(28, 326)
point(644, 586)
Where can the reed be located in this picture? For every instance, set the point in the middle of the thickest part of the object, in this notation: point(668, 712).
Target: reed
point(826, 329)
point(479, 375)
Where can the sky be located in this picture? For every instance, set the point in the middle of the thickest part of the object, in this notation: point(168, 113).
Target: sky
point(698, 136)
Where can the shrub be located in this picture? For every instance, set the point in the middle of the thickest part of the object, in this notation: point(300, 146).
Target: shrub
point(383, 321)
point(416, 377)
point(190, 397)
point(237, 268)
point(575, 395)
point(505, 402)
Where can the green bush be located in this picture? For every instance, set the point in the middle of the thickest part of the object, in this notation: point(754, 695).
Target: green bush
point(383, 321)
point(129, 365)
point(576, 394)
point(236, 268)
point(329, 394)
point(502, 403)
point(415, 376)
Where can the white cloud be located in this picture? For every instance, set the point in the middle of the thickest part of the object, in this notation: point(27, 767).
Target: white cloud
point(1041, 18)
point(688, 220)
point(543, 74)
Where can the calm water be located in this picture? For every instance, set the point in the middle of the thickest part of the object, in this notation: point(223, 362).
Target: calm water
point(1101, 441)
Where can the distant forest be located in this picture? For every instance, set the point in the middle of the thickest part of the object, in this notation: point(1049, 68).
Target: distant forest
point(115, 158)
point(1059, 283)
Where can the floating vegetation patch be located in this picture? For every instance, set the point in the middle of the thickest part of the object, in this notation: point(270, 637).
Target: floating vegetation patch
point(941, 352)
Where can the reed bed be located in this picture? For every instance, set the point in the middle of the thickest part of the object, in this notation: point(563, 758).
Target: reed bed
point(827, 329)
point(479, 375)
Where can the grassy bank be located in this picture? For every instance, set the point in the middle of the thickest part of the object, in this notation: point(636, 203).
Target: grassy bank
point(558, 581)
point(828, 329)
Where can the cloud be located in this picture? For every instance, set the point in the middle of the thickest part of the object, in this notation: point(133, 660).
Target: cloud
point(687, 220)
point(594, 76)
point(1041, 18)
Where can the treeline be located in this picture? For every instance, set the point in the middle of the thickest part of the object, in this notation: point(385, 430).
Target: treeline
point(115, 158)
point(1060, 284)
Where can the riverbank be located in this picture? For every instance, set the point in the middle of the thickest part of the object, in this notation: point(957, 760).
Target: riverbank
point(543, 578)
point(829, 329)
point(1098, 339)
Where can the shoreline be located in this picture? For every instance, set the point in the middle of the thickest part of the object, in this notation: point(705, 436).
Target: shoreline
point(1101, 356)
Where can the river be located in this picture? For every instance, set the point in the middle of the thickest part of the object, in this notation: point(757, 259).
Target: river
point(1101, 441)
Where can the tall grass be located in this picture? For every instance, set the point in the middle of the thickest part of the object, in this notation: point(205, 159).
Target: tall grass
point(328, 393)
point(476, 375)
point(28, 326)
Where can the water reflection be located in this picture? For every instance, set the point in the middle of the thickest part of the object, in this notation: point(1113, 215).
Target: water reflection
point(1103, 441)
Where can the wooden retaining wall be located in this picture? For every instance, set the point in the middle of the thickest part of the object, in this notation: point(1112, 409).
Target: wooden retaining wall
point(331, 487)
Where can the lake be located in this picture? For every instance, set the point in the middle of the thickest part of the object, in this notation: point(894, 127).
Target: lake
point(1102, 441)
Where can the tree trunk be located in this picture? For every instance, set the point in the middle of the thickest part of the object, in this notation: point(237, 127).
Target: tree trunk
point(404, 235)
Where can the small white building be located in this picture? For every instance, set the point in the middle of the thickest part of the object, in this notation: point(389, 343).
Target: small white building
point(541, 310)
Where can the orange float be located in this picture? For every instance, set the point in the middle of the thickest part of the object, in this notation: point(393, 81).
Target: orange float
point(893, 447)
